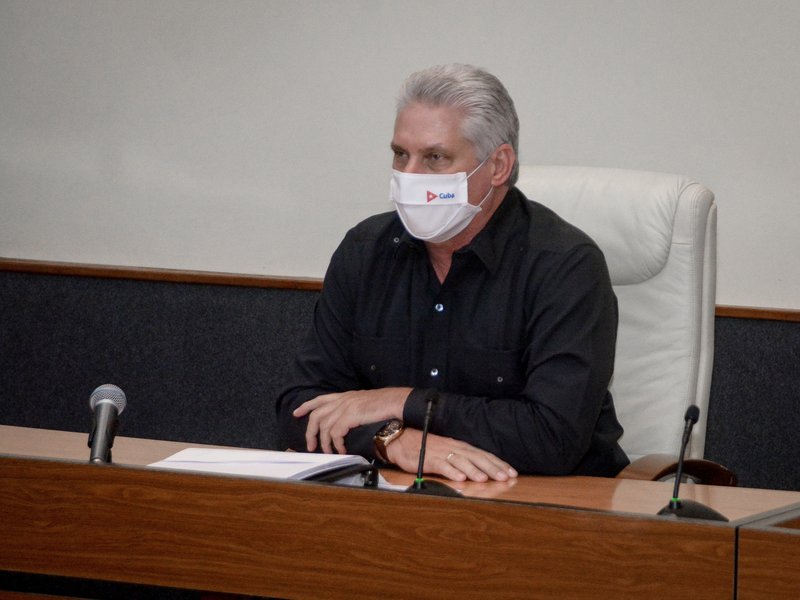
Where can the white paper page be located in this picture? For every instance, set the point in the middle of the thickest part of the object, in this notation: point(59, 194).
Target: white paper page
point(258, 463)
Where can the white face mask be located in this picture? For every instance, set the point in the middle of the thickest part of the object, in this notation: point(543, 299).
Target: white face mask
point(434, 207)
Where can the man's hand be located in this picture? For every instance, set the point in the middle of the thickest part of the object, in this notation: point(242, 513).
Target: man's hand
point(450, 458)
point(331, 416)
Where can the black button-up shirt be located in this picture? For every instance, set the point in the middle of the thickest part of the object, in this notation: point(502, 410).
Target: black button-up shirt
point(519, 339)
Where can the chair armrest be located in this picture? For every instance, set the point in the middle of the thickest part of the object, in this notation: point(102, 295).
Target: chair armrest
point(655, 467)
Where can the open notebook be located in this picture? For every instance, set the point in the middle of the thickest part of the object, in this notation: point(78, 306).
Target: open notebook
point(268, 463)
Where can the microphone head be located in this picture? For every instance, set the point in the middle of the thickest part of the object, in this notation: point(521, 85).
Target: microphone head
point(692, 414)
point(110, 393)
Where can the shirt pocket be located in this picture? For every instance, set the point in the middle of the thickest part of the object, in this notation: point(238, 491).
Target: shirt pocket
point(381, 361)
point(492, 373)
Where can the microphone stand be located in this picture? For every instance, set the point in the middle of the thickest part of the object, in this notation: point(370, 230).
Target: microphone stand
point(422, 485)
point(688, 509)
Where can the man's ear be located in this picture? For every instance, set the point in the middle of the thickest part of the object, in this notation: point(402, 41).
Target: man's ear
point(504, 158)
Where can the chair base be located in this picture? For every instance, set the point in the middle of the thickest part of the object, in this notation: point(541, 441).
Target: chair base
point(655, 467)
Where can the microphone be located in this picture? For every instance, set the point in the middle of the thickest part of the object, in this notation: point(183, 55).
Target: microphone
point(688, 509)
point(107, 403)
point(421, 485)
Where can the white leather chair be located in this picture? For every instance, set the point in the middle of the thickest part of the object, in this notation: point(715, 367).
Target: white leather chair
point(658, 234)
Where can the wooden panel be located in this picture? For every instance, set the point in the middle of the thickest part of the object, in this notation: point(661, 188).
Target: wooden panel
point(166, 275)
point(4, 595)
point(769, 314)
point(595, 493)
point(299, 283)
point(769, 558)
point(305, 540)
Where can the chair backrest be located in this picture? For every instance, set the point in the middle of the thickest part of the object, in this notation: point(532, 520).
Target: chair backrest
point(658, 234)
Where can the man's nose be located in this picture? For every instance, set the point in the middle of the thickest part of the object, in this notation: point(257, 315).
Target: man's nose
point(415, 165)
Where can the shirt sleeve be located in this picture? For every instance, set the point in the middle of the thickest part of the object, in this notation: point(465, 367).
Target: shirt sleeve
point(323, 365)
point(561, 424)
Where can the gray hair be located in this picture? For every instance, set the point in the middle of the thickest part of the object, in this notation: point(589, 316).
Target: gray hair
point(490, 118)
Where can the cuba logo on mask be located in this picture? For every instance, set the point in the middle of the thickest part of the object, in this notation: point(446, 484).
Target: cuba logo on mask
point(445, 196)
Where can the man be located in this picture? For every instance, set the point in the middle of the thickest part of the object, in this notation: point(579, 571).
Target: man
point(468, 288)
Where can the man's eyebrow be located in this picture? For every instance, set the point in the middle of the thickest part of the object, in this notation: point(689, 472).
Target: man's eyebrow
point(440, 148)
point(434, 148)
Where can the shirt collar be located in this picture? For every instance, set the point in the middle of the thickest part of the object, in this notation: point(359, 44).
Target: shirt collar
point(489, 243)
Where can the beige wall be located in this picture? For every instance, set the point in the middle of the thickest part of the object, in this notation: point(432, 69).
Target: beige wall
point(248, 136)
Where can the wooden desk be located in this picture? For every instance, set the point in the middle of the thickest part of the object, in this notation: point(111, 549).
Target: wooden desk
point(128, 523)
point(769, 557)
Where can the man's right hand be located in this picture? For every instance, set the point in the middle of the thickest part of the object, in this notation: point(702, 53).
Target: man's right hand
point(450, 458)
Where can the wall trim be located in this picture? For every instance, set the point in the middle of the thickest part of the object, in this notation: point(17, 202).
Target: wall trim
point(264, 281)
point(752, 312)
point(151, 274)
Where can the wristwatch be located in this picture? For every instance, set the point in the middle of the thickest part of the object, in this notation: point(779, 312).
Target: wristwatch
point(386, 435)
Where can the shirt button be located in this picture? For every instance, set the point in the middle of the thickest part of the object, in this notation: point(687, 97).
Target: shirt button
point(500, 379)
point(434, 372)
point(396, 240)
point(439, 307)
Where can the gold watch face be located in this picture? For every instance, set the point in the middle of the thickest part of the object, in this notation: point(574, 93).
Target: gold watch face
point(390, 429)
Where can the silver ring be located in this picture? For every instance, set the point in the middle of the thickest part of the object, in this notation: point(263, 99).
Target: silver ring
point(449, 456)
